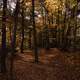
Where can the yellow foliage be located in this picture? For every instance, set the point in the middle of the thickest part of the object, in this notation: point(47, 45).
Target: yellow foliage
point(54, 5)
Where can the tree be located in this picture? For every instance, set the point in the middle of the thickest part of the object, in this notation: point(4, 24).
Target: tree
point(22, 32)
point(3, 51)
point(34, 32)
point(13, 43)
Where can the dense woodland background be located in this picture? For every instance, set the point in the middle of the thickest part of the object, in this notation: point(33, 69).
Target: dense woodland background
point(38, 26)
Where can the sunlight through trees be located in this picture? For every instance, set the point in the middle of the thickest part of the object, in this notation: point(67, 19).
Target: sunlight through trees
point(32, 25)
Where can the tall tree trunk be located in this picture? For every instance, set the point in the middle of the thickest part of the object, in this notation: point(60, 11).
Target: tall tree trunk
point(3, 52)
point(34, 32)
point(10, 34)
point(29, 41)
point(76, 24)
point(46, 29)
point(13, 42)
point(22, 32)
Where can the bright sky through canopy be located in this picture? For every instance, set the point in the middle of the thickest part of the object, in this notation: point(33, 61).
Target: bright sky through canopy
point(12, 4)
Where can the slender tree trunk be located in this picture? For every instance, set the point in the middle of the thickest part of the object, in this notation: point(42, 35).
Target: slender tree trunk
point(3, 52)
point(29, 41)
point(34, 32)
point(48, 45)
point(75, 26)
point(47, 29)
point(22, 33)
point(10, 34)
point(57, 27)
point(64, 32)
point(13, 42)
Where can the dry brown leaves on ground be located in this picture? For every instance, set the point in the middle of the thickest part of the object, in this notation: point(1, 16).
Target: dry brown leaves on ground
point(53, 65)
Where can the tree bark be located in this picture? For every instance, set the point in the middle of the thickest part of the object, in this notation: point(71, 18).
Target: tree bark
point(34, 32)
point(29, 41)
point(13, 42)
point(22, 32)
point(3, 51)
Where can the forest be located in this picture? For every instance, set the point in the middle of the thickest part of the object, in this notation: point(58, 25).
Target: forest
point(39, 40)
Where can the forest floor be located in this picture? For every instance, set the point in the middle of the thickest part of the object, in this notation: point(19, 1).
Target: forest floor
point(53, 65)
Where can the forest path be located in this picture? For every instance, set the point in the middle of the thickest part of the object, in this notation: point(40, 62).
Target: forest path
point(53, 65)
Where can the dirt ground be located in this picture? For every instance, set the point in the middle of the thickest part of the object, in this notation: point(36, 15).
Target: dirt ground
point(53, 65)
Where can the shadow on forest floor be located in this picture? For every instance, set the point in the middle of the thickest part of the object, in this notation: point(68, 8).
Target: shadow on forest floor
point(53, 65)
